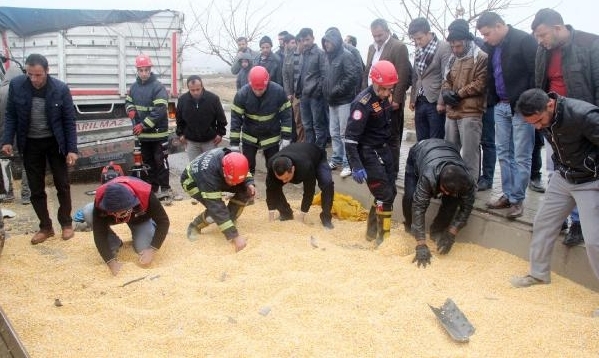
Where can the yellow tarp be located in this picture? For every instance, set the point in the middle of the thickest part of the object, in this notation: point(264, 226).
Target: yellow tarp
point(345, 207)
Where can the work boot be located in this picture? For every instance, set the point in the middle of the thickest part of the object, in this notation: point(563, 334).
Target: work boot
point(574, 236)
point(195, 227)
point(41, 236)
point(383, 224)
point(371, 224)
point(536, 185)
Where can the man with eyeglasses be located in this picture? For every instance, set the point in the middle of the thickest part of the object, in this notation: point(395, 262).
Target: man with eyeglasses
point(131, 201)
point(367, 144)
point(571, 126)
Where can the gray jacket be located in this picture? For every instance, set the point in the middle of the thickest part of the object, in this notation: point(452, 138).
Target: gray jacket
point(431, 78)
point(12, 72)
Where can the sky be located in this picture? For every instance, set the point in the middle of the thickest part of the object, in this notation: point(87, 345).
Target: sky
point(350, 16)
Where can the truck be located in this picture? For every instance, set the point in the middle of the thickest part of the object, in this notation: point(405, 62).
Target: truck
point(93, 52)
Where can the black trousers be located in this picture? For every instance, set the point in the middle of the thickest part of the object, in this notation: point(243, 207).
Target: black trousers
point(397, 124)
point(37, 152)
point(537, 160)
point(250, 151)
point(155, 154)
point(378, 163)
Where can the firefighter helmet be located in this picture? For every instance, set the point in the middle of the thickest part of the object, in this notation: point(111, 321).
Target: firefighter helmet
point(383, 73)
point(258, 78)
point(143, 61)
point(235, 168)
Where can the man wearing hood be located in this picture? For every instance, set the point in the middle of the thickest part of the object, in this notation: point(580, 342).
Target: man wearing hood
point(6, 178)
point(341, 76)
point(246, 62)
point(464, 93)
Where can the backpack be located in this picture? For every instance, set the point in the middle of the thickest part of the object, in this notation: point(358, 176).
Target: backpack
point(110, 172)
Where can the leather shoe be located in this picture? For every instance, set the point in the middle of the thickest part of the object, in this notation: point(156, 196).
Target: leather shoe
point(484, 185)
point(516, 210)
point(536, 185)
point(574, 236)
point(67, 232)
point(500, 203)
point(41, 236)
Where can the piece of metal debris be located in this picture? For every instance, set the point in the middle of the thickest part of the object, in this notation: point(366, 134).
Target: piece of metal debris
point(454, 321)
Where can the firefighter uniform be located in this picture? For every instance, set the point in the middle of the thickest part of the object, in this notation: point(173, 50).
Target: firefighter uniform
point(367, 138)
point(260, 122)
point(149, 99)
point(203, 180)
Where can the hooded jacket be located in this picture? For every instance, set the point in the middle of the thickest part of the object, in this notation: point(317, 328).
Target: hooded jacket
point(242, 75)
point(341, 73)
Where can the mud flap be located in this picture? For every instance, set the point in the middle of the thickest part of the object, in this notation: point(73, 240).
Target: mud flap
point(454, 321)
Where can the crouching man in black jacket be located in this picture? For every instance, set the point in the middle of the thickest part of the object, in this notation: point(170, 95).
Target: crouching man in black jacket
point(435, 169)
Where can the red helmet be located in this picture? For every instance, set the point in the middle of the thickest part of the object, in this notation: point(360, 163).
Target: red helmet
point(383, 73)
point(143, 61)
point(258, 78)
point(235, 168)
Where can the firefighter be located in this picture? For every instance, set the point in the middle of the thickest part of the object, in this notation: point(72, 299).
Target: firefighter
point(205, 178)
point(260, 117)
point(131, 201)
point(147, 106)
point(367, 147)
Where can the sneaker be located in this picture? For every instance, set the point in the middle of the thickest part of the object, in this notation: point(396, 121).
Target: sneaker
point(25, 201)
point(526, 281)
point(516, 210)
point(574, 236)
point(345, 172)
point(9, 198)
point(174, 196)
point(536, 185)
point(500, 203)
point(484, 185)
point(333, 166)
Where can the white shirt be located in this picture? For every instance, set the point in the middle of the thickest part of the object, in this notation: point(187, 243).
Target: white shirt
point(377, 56)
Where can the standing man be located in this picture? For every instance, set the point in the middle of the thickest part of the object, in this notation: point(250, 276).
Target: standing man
point(201, 121)
point(386, 47)
point(146, 105)
point(242, 48)
point(299, 163)
point(269, 60)
point(40, 113)
point(128, 200)
point(292, 64)
point(430, 61)
point(260, 117)
point(367, 139)
point(435, 168)
point(561, 48)
point(464, 92)
point(312, 104)
point(571, 126)
point(512, 65)
point(205, 178)
point(339, 85)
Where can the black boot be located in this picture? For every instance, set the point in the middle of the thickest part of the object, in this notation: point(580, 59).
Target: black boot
point(574, 236)
point(371, 227)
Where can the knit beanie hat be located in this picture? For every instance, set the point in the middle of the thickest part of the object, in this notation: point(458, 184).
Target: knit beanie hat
point(459, 30)
point(265, 39)
point(118, 197)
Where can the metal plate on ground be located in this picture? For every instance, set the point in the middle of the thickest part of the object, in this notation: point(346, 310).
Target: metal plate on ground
point(454, 321)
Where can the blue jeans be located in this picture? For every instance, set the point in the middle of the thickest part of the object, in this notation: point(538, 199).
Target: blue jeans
point(338, 116)
point(314, 121)
point(487, 144)
point(514, 139)
point(429, 123)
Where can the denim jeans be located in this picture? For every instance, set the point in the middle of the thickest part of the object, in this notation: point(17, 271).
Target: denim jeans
point(537, 161)
point(487, 144)
point(338, 116)
point(514, 139)
point(429, 123)
point(314, 120)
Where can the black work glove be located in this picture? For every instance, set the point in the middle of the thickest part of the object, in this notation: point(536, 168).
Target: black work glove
point(445, 242)
point(423, 256)
point(451, 97)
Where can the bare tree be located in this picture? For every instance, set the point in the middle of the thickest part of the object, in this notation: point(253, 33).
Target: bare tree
point(216, 26)
point(440, 13)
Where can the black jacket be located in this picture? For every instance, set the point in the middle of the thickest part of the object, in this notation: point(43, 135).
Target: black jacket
point(341, 74)
point(201, 120)
point(574, 137)
point(273, 65)
point(149, 99)
point(518, 51)
point(430, 157)
point(306, 158)
point(580, 66)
